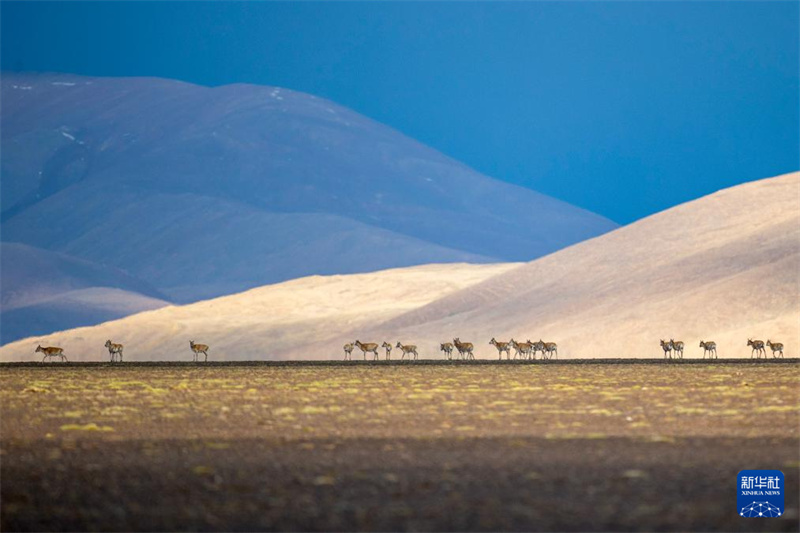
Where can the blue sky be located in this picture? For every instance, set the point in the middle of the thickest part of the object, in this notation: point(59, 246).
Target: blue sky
point(624, 108)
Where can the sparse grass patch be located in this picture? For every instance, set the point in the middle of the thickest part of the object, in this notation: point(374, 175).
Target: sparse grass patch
point(569, 401)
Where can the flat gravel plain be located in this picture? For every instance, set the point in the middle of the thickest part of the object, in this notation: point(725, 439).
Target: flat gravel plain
point(586, 446)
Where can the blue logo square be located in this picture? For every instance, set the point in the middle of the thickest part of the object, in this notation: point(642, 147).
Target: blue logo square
point(760, 493)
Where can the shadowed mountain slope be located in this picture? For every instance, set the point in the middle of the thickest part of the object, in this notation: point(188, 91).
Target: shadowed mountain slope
point(203, 191)
point(46, 291)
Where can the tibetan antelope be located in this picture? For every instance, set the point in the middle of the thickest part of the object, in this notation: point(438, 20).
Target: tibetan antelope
point(523, 349)
point(388, 348)
point(114, 349)
point(52, 351)
point(501, 347)
point(538, 346)
point(758, 348)
point(677, 347)
point(367, 347)
point(407, 349)
point(550, 348)
point(199, 349)
point(710, 348)
point(775, 347)
point(447, 348)
point(464, 348)
point(667, 347)
point(348, 351)
point(533, 350)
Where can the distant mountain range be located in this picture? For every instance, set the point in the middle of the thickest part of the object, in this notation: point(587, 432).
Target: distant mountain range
point(200, 192)
point(722, 268)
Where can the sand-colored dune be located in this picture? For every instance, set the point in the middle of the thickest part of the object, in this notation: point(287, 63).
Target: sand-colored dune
point(267, 322)
point(725, 267)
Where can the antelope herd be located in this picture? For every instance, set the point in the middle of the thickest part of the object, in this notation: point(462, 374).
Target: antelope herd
point(522, 350)
point(528, 349)
point(758, 348)
point(525, 350)
point(115, 351)
point(465, 350)
point(710, 348)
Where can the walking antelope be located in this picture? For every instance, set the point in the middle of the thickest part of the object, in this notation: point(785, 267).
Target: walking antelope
point(447, 348)
point(51, 351)
point(348, 351)
point(114, 349)
point(521, 348)
point(538, 346)
point(677, 347)
point(550, 348)
point(667, 347)
point(388, 348)
point(775, 347)
point(464, 348)
point(758, 348)
point(407, 349)
point(367, 347)
point(532, 354)
point(516, 347)
point(199, 349)
point(710, 348)
point(501, 347)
